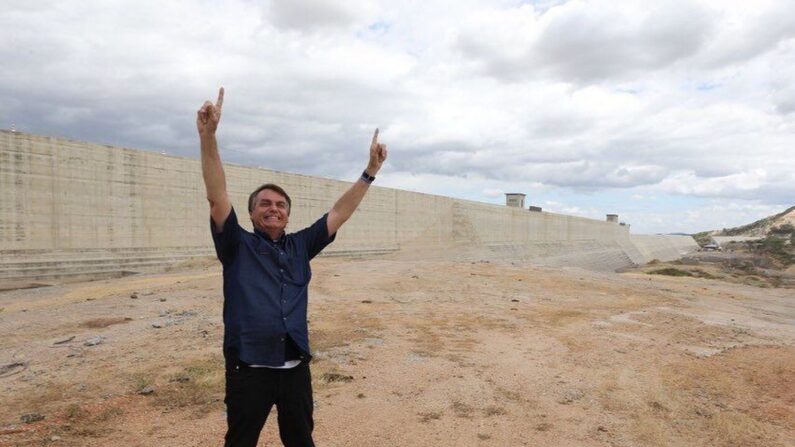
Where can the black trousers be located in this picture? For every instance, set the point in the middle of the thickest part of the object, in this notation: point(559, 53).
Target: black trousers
point(252, 392)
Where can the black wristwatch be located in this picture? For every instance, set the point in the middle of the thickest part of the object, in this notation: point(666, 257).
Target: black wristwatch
point(367, 177)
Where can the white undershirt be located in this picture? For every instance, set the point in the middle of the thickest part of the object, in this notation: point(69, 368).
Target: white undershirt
point(287, 365)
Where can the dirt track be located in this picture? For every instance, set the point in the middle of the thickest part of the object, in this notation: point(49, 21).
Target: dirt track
point(416, 354)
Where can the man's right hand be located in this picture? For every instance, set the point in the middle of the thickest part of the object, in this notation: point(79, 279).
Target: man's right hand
point(209, 115)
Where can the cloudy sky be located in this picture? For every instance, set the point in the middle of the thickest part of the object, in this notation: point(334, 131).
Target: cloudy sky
point(677, 115)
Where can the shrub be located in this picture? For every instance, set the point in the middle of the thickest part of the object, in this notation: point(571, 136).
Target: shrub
point(670, 271)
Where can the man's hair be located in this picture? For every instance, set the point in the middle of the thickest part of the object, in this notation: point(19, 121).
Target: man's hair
point(275, 188)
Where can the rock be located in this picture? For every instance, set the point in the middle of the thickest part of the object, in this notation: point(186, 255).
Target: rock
point(162, 300)
point(147, 391)
point(416, 357)
point(335, 377)
point(93, 341)
point(164, 313)
point(367, 301)
point(134, 295)
point(514, 300)
point(157, 325)
point(373, 341)
point(570, 396)
point(55, 438)
point(12, 368)
point(65, 340)
point(30, 418)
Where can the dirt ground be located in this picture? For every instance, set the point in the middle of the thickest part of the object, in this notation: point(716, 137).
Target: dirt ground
point(412, 353)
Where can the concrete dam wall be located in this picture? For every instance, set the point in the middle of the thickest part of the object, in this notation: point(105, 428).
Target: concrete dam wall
point(72, 207)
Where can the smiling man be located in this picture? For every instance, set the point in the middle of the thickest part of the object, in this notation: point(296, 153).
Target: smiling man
point(266, 281)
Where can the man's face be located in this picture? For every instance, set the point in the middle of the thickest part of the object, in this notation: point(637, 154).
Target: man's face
point(271, 212)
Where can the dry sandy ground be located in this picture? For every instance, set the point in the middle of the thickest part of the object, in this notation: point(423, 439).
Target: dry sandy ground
point(412, 353)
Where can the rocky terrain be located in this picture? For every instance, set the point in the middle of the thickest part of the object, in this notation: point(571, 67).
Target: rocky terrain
point(761, 253)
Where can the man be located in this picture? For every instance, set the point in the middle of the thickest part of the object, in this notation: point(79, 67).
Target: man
point(266, 279)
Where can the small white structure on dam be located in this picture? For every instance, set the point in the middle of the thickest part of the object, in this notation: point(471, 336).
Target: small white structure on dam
point(514, 199)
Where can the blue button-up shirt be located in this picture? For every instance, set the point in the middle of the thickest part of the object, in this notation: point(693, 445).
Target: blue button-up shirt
point(265, 289)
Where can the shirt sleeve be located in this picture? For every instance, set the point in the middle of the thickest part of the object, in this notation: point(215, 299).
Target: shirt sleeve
point(227, 241)
point(316, 236)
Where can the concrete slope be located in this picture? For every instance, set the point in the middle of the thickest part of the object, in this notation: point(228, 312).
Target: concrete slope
point(663, 247)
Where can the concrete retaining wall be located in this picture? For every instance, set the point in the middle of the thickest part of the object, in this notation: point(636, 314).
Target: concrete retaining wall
point(80, 199)
point(663, 248)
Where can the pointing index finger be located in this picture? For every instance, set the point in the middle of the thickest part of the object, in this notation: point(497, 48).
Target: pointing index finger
point(375, 137)
point(220, 102)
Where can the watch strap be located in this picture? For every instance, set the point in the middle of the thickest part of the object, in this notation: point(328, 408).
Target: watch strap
point(367, 177)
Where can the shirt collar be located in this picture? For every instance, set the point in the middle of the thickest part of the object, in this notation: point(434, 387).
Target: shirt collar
point(265, 236)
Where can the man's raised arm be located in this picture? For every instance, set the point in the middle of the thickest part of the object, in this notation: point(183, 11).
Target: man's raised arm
point(346, 205)
point(207, 119)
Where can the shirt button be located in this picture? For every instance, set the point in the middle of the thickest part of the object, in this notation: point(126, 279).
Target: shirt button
point(282, 338)
point(284, 318)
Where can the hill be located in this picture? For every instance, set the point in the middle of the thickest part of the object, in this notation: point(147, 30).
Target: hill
point(775, 238)
point(763, 227)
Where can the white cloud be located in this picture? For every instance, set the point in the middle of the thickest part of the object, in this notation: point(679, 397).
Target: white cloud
point(309, 14)
point(688, 99)
point(713, 215)
point(584, 41)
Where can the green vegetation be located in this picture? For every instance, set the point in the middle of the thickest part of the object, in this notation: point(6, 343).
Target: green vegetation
point(702, 274)
point(75, 411)
point(777, 246)
point(198, 385)
point(783, 230)
point(670, 271)
point(673, 271)
point(141, 381)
